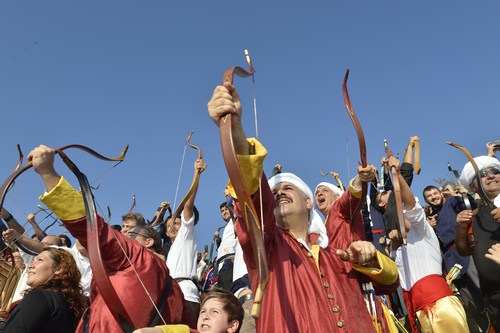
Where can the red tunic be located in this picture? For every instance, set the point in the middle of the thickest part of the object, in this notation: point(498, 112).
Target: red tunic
point(298, 298)
point(152, 270)
point(341, 229)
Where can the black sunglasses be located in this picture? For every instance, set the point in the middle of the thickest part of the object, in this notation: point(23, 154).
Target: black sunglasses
point(484, 173)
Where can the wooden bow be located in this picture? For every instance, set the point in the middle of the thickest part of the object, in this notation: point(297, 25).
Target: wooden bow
point(416, 157)
point(98, 269)
point(133, 204)
point(397, 194)
point(194, 183)
point(334, 176)
point(480, 189)
point(361, 141)
point(465, 196)
point(236, 176)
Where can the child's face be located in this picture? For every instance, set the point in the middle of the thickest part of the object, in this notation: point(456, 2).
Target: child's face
point(213, 319)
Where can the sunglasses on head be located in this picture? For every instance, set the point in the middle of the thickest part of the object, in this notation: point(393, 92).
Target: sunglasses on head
point(485, 172)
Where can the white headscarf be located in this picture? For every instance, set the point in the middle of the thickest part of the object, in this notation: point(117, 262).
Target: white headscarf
point(317, 226)
point(332, 187)
point(468, 174)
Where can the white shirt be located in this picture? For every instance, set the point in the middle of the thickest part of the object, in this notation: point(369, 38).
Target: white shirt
point(421, 256)
point(181, 260)
point(83, 264)
point(228, 242)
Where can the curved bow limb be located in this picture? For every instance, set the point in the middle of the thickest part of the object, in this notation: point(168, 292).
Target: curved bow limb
point(133, 204)
point(247, 207)
point(361, 140)
point(20, 170)
point(487, 201)
point(194, 183)
point(99, 271)
point(397, 194)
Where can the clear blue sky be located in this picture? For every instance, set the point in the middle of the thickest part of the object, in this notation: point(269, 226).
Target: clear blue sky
point(107, 74)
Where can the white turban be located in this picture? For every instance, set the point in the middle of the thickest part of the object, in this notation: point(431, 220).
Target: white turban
point(332, 187)
point(468, 174)
point(317, 226)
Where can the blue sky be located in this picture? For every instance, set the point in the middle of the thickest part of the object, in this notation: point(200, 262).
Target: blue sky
point(107, 74)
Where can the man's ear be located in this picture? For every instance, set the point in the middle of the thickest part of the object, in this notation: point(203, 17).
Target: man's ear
point(309, 203)
point(233, 326)
point(150, 242)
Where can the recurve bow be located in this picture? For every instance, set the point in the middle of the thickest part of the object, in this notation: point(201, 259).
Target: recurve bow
point(361, 141)
point(245, 201)
point(397, 195)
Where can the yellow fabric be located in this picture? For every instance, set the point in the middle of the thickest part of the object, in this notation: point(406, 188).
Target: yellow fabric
point(174, 328)
point(65, 201)
point(251, 167)
point(390, 321)
point(447, 315)
point(355, 193)
point(315, 252)
point(386, 275)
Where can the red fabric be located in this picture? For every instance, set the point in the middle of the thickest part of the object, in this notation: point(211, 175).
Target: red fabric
point(426, 291)
point(296, 298)
point(340, 227)
point(424, 294)
point(152, 270)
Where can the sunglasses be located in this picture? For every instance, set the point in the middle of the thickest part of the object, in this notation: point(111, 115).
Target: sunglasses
point(485, 172)
point(133, 234)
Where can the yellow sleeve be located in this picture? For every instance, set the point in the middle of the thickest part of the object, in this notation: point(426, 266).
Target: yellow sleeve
point(386, 275)
point(251, 167)
point(65, 201)
point(356, 193)
point(173, 328)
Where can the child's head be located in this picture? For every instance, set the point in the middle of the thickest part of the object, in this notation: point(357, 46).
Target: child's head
point(221, 312)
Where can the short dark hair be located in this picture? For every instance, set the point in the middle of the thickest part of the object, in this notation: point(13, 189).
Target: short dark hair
point(150, 232)
point(224, 204)
point(232, 305)
point(66, 240)
point(427, 189)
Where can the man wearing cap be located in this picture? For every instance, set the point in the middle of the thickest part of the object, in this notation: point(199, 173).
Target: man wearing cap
point(309, 288)
point(486, 231)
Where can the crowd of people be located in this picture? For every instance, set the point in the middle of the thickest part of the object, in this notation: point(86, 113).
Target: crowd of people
point(333, 260)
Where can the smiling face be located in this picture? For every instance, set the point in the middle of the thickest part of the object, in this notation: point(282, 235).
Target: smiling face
point(173, 228)
point(41, 270)
point(214, 319)
point(325, 198)
point(490, 178)
point(291, 206)
point(433, 197)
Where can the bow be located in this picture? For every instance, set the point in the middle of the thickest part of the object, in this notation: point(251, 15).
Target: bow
point(247, 207)
point(416, 157)
point(397, 194)
point(194, 183)
point(98, 269)
point(361, 141)
point(133, 204)
point(487, 201)
point(465, 197)
point(334, 176)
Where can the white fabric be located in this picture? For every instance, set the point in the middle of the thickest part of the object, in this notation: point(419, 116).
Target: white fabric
point(228, 240)
point(497, 201)
point(421, 256)
point(181, 260)
point(83, 265)
point(468, 174)
point(332, 187)
point(21, 284)
point(316, 226)
point(239, 266)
